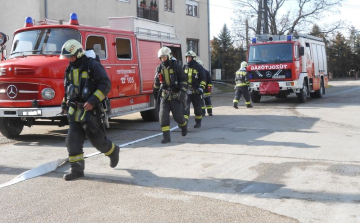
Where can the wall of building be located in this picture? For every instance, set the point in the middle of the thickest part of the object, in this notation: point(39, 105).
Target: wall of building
point(96, 13)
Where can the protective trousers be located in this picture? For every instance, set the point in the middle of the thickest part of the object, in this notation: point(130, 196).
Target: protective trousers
point(242, 90)
point(176, 108)
point(76, 137)
point(206, 105)
point(195, 99)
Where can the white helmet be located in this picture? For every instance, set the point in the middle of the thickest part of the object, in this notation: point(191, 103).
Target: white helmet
point(71, 48)
point(243, 64)
point(190, 54)
point(165, 51)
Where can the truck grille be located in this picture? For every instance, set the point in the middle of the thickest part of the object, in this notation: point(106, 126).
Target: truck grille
point(19, 91)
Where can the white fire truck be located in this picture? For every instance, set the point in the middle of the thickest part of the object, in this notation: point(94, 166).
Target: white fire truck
point(280, 65)
point(31, 79)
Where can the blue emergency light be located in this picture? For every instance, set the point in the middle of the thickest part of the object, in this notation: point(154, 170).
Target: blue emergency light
point(28, 22)
point(289, 37)
point(254, 40)
point(74, 19)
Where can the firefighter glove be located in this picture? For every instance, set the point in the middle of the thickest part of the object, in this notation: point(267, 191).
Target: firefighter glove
point(199, 91)
point(182, 96)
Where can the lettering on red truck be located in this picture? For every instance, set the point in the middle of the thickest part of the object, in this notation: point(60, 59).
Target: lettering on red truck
point(32, 77)
point(281, 65)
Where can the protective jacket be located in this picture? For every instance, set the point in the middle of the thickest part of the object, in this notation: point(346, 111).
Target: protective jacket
point(81, 85)
point(170, 79)
point(242, 77)
point(196, 77)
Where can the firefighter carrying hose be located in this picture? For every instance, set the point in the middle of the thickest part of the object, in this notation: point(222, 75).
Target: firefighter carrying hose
point(170, 90)
point(86, 86)
point(242, 81)
point(196, 80)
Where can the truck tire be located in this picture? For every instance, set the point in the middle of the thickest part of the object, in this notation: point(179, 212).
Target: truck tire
point(11, 127)
point(255, 96)
point(151, 115)
point(319, 93)
point(303, 93)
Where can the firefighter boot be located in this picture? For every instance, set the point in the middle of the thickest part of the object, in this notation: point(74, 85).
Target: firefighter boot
point(166, 138)
point(235, 105)
point(77, 170)
point(198, 123)
point(210, 112)
point(249, 106)
point(114, 157)
point(203, 112)
point(184, 130)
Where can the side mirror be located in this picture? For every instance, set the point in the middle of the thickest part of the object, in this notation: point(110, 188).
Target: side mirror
point(301, 51)
point(3, 38)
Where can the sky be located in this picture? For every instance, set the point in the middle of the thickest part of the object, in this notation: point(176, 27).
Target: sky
point(221, 12)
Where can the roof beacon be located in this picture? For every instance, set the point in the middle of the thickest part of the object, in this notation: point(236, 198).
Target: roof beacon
point(29, 22)
point(74, 19)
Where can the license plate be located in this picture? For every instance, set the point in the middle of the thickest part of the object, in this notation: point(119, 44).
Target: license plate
point(279, 76)
point(36, 112)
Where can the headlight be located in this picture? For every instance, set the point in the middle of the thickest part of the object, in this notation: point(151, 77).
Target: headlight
point(48, 93)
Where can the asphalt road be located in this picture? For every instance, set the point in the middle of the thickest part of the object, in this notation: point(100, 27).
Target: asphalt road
point(280, 161)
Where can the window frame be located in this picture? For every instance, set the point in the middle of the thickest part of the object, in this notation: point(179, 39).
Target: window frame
point(131, 49)
point(196, 50)
point(169, 9)
point(194, 11)
point(105, 42)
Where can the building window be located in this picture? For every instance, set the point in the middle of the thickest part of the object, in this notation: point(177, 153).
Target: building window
point(192, 8)
point(123, 1)
point(193, 45)
point(168, 5)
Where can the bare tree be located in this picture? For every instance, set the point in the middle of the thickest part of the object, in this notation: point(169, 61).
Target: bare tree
point(284, 16)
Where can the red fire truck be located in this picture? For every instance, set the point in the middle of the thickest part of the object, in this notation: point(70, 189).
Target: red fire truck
point(31, 79)
point(280, 65)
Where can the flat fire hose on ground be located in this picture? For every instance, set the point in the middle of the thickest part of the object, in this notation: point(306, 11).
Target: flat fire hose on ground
point(51, 166)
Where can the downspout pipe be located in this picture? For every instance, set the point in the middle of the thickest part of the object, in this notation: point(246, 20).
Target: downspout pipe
point(46, 8)
point(208, 9)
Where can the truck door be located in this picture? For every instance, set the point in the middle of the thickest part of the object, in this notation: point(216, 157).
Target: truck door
point(126, 67)
point(99, 44)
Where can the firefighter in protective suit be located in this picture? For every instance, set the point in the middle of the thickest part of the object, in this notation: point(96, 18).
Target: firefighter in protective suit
point(196, 80)
point(170, 90)
point(206, 101)
point(242, 81)
point(86, 86)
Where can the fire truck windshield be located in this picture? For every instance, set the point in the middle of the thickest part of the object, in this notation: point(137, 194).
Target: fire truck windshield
point(271, 53)
point(42, 41)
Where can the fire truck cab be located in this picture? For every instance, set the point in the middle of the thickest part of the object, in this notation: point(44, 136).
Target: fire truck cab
point(32, 78)
point(280, 65)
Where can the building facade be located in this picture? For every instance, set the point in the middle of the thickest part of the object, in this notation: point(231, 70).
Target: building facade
point(189, 17)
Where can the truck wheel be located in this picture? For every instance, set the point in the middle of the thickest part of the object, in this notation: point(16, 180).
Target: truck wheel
point(255, 97)
point(11, 127)
point(321, 92)
point(151, 115)
point(303, 93)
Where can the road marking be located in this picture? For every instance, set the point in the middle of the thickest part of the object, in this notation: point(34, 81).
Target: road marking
point(51, 166)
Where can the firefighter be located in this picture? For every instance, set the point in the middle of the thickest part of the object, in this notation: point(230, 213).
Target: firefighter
point(242, 81)
point(86, 86)
point(170, 91)
point(206, 101)
point(196, 80)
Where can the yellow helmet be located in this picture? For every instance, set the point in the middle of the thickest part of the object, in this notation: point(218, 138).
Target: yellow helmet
point(243, 64)
point(190, 54)
point(71, 48)
point(165, 51)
